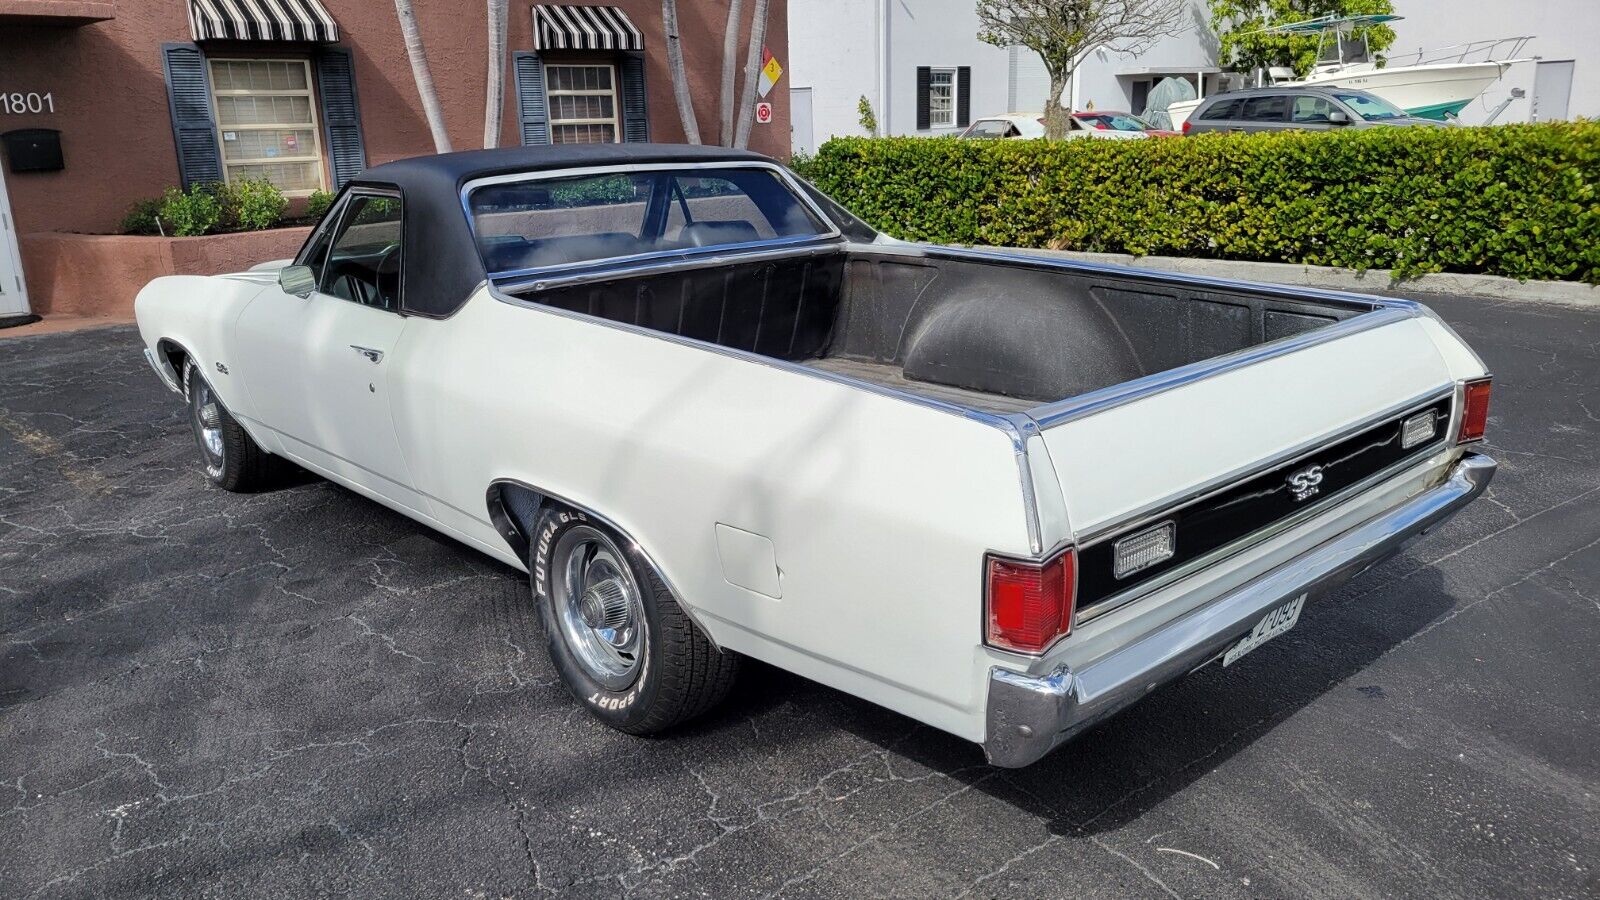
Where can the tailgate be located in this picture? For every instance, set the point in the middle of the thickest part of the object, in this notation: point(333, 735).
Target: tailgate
point(1215, 454)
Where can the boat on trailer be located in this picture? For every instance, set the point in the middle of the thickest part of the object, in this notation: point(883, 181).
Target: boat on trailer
point(1429, 84)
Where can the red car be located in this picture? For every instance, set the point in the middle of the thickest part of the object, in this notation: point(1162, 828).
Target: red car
point(1119, 121)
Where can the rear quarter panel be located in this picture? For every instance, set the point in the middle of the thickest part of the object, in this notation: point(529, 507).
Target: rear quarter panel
point(879, 510)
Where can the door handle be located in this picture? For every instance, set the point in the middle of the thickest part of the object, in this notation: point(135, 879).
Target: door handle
point(373, 356)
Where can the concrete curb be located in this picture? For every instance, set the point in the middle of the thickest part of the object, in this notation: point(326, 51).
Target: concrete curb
point(1492, 287)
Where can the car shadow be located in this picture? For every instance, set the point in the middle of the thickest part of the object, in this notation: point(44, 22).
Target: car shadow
point(1118, 770)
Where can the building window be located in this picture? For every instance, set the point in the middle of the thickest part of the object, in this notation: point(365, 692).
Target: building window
point(583, 104)
point(267, 122)
point(942, 98)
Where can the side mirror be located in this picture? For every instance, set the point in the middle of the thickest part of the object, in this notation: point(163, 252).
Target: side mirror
point(297, 280)
point(1338, 117)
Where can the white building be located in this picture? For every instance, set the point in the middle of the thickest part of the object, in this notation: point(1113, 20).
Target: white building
point(843, 50)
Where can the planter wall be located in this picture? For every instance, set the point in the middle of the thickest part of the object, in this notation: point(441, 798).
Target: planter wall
point(100, 274)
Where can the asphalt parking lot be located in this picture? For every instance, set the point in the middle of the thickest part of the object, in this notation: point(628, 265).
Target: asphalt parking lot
point(300, 694)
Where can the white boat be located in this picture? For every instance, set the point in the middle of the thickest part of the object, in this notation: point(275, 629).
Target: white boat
point(1434, 84)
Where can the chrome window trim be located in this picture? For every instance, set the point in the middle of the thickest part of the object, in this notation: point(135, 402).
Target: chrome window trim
point(1116, 601)
point(346, 201)
point(782, 174)
point(546, 278)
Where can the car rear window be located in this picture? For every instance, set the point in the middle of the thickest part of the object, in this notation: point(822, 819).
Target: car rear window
point(537, 223)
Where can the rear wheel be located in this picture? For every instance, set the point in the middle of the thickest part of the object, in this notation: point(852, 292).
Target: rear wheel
point(231, 459)
point(619, 640)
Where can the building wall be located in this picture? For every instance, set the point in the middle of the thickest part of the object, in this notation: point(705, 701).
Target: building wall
point(111, 105)
point(838, 49)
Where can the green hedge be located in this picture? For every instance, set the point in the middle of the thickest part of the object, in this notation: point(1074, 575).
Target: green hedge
point(1515, 200)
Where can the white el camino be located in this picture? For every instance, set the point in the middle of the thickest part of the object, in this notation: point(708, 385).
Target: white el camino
point(715, 416)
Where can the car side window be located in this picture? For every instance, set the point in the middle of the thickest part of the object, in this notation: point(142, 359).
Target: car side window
point(315, 252)
point(1222, 109)
point(1266, 109)
point(364, 260)
point(1311, 110)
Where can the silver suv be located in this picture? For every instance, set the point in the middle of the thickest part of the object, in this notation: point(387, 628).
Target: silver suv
point(1297, 108)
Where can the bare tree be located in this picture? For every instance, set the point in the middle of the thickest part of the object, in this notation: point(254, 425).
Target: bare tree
point(730, 57)
point(752, 69)
point(422, 74)
point(1062, 32)
point(680, 80)
point(494, 88)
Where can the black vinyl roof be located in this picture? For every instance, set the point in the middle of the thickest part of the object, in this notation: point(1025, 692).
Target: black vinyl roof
point(440, 260)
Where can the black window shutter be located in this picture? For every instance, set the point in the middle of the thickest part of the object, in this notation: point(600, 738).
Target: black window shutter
point(964, 96)
point(635, 106)
point(924, 117)
point(341, 114)
point(533, 107)
point(194, 131)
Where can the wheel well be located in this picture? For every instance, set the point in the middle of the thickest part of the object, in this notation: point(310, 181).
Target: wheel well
point(514, 509)
point(173, 356)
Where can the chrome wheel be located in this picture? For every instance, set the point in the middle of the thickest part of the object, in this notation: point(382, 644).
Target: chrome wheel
point(596, 601)
point(207, 422)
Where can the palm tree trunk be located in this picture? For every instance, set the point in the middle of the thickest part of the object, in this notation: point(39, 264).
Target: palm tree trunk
point(424, 77)
point(730, 53)
point(752, 66)
point(680, 80)
point(494, 87)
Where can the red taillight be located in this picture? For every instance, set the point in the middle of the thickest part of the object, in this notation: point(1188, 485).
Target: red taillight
point(1029, 604)
point(1474, 411)
point(1186, 127)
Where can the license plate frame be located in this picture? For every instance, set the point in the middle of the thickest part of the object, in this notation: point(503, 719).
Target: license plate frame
point(1280, 619)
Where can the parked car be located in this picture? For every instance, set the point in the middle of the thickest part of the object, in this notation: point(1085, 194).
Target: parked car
point(1119, 121)
point(1031, 125)
point(716, 416)
point(1300, 108)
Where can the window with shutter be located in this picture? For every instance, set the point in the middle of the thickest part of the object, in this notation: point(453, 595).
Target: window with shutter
point(193, 128)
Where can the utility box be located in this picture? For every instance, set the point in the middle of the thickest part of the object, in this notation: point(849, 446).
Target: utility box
point(33, 150)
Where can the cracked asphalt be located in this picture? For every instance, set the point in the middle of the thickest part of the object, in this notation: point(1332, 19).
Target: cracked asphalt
point(301, 694)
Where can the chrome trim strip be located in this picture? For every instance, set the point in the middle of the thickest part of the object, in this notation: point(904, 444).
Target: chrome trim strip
point(1253, 539)
point(1063, 411)
point(1028, 716)
point(511, 531)
point(677, 261)
point(1164, 507)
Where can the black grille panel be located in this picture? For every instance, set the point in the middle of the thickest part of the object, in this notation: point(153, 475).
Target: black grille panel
point(1257, 502)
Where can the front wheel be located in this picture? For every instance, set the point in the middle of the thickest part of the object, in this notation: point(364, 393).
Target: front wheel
point(231, 458)
point(619, 640)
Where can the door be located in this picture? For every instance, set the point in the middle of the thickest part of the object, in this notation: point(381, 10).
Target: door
point(1269, 113)
point(13, 295)
point(1552, 90)
point(802, 139)
point(317, 367)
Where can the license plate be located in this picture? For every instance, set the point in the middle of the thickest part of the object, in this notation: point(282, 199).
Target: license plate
point(1271, 625)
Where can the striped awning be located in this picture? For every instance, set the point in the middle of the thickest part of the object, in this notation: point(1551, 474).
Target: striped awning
point(584, 28)
point(262, 20)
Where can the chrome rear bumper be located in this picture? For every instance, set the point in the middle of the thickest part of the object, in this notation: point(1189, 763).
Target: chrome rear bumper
point(1028, 716)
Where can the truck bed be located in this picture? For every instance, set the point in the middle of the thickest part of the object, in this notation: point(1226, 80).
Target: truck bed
point(992, 332)
point(890, 375)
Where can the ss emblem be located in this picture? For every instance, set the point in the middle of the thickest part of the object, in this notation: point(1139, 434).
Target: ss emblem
point(1306, 483)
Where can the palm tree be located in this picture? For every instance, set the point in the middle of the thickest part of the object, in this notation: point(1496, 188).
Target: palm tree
point(730, 50)
point(752, 65)
point(680, 80)
point(494, 88)
point(424, 77)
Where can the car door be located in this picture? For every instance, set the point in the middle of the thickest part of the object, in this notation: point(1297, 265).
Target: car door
point(1266, 113)
point(317, 367)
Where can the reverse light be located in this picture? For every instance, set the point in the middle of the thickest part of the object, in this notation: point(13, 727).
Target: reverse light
point(1419, 429)
point(1143, 550)
point(1028, 605)
point(1474, 411)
